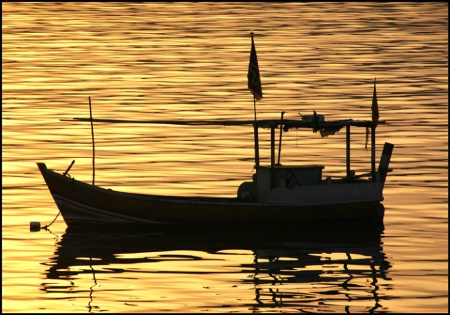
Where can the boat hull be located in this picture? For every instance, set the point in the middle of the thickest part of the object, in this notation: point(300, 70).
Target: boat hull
point(81, 203)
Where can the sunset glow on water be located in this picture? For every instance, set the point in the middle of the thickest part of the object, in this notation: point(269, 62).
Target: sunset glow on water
point(183, 61)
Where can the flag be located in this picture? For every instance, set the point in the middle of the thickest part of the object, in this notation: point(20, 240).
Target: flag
point(375, 114)
point(254, 80)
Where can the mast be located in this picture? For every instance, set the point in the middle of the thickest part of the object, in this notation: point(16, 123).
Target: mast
point(375, 116)
point(255, 135)
point(373, 152)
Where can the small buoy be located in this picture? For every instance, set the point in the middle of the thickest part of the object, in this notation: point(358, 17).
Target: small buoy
point(35, 226)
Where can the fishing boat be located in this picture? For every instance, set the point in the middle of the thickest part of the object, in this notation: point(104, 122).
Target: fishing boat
point(276, 193)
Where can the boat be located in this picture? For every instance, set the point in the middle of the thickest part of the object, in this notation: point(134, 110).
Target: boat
point(276, 193)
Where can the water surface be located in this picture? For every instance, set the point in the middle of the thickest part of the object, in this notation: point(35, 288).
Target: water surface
point(189, 61)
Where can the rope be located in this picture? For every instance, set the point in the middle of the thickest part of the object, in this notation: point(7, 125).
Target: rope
point(48, 225)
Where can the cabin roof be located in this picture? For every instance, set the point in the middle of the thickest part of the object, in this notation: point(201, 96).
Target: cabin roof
point(289, 123)
point(263, 123)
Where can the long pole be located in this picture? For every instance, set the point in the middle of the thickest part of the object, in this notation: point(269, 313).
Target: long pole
point(93, 142)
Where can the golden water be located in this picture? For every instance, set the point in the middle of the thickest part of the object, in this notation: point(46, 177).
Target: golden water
point(189, 61)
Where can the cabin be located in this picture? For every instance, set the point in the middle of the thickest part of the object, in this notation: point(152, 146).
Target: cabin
point(289, 180)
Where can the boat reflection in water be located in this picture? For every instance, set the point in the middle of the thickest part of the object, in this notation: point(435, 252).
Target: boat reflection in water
point(300, 268)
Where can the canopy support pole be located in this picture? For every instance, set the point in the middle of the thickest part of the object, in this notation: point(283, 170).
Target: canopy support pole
point(281, 136)
point(347, 147)
point(272, 157)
